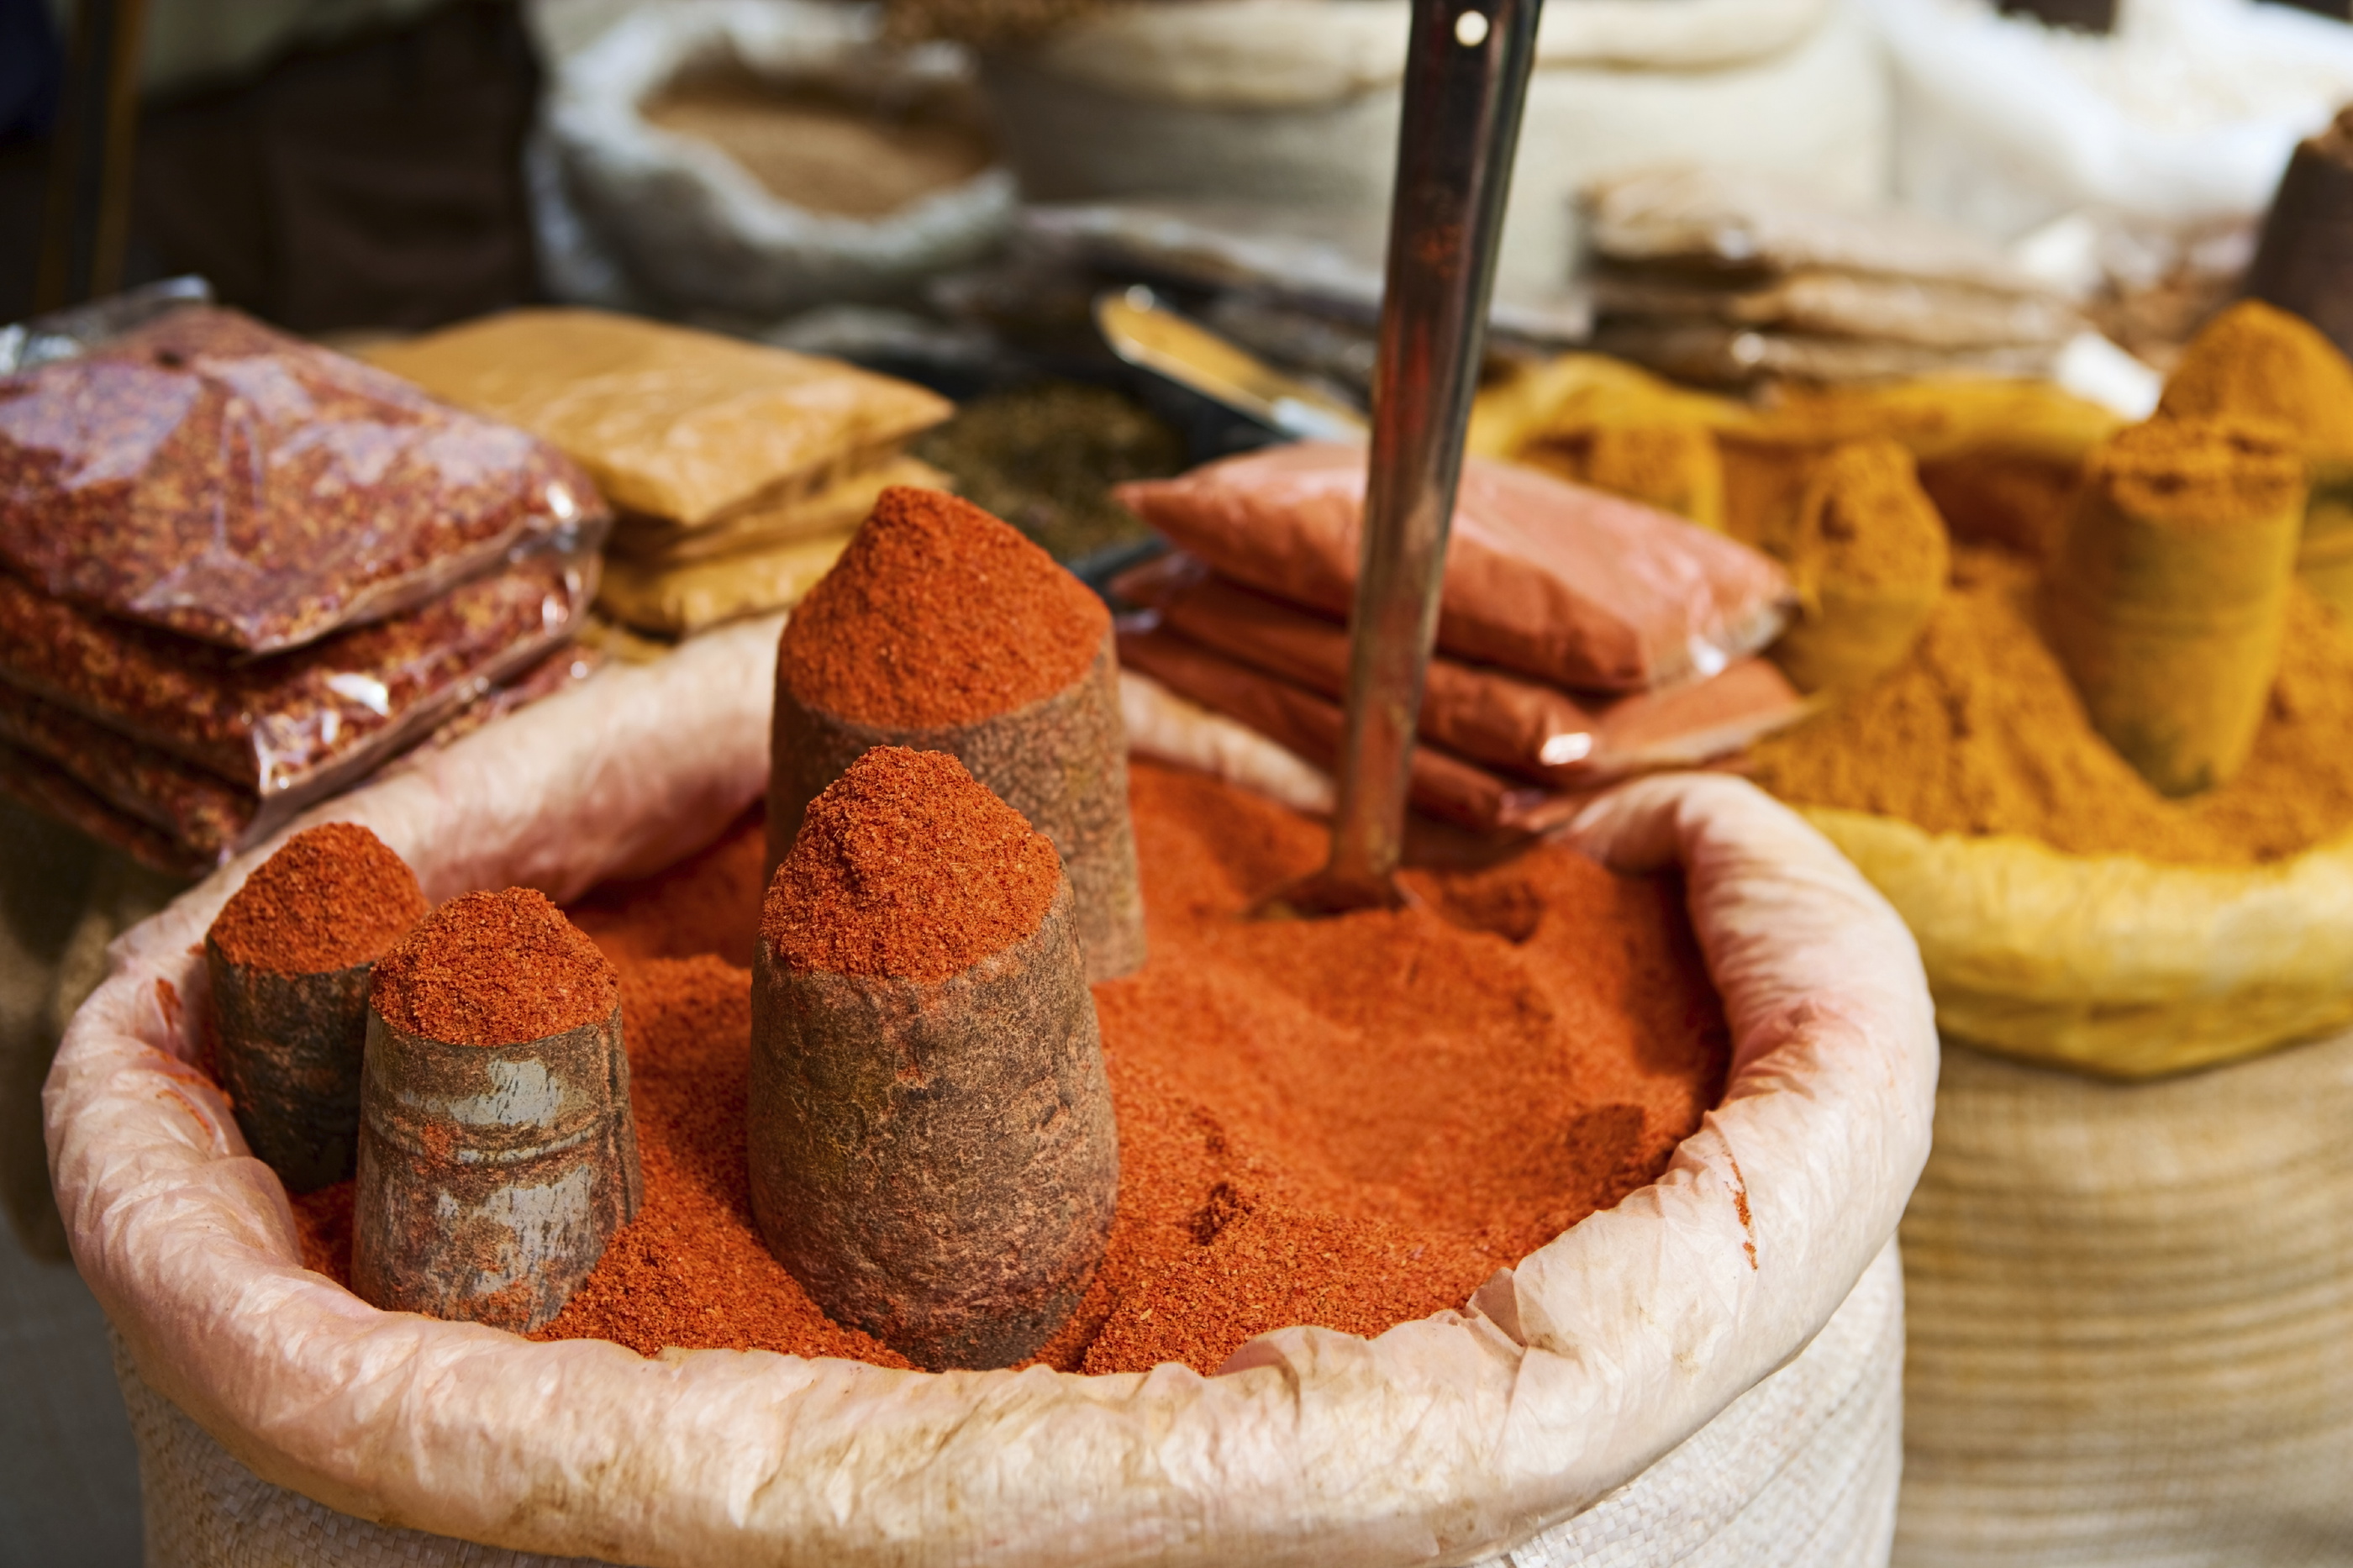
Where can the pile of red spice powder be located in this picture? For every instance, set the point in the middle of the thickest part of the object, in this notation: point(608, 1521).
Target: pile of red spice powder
point(851, 899)
point(907, 631)
point(1350, 1123)
point(494, 969)
point(333, 896)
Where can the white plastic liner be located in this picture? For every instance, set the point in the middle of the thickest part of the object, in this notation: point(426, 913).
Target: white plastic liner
point(1441, 1441)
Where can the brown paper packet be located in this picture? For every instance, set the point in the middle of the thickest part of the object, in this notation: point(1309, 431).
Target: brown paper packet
point(1487, 715)
point(678, 601)
point(670, 422)
point(841, 503)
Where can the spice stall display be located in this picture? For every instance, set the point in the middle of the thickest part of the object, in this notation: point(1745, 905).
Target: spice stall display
point(242, 571)
point(738, 471)
point(2108, 788)
point(1738, 1231)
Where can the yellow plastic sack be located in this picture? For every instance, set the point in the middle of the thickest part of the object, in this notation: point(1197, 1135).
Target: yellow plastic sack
point(2110, 963)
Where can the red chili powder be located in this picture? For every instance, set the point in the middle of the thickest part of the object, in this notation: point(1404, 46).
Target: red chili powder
point(331, 897)
point(1350, 1123)
point(494, 969)
point(906, 866)
point(938, 615)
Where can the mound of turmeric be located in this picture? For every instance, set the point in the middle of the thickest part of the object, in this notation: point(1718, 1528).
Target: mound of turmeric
point(2256, 362)
point(1979, 731)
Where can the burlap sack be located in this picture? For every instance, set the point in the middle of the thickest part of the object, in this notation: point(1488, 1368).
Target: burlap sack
point(1442, 1441)
point(2128, 1311)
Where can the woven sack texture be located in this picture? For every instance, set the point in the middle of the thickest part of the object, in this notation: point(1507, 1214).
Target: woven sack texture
point(1283, 101)
point(2109, 963)
point(1442, 1441)
point(2128, 1313)
point(629, 211)
point(1800, 1471)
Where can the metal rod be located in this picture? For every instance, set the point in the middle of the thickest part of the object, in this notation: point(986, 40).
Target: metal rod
point(1467, 71)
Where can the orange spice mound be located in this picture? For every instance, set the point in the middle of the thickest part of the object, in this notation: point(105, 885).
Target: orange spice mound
point(690, 1270)
point(908, 866)
point(938, 615)
point(333, 896)
point(494, 969)
point(1347, 1123)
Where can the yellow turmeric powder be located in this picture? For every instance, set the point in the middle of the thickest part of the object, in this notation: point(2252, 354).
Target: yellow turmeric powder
point(2167, 600)
point(2255, 362)
point(1867, 556)
point(1979, 731)
point(1672, 467)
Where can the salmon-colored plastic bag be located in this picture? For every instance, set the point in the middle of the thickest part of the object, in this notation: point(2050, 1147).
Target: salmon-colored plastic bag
point(1550, 579)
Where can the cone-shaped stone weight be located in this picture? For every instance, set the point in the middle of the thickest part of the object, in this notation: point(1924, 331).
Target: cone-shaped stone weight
point(933, 1152)
point(290, 955)
point(943, 629)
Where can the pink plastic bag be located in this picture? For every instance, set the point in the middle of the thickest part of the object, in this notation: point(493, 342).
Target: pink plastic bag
point(1550, 579)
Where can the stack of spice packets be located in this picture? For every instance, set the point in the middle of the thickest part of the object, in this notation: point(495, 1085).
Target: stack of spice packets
point(1581, 636)
point(1726, 278)
point(739, 471)
point(239, 572)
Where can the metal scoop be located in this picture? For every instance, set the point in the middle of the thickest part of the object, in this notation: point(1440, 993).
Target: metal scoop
point(1466, 78)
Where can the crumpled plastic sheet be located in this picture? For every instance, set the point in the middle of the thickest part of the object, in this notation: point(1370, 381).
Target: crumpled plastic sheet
point(1441, 1441)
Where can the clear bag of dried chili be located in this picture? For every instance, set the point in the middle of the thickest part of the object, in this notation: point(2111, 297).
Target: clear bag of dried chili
point(208, 476)
point(213, 749)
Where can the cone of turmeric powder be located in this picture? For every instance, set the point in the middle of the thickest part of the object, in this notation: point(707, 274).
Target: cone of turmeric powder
point(2168, 599)
point(933, 1155)
point(2253, 362)
point(1867, 555)
point(943, 629)
point(290, 955)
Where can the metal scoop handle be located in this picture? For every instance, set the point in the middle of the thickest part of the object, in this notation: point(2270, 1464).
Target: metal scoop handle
point(1466, 80)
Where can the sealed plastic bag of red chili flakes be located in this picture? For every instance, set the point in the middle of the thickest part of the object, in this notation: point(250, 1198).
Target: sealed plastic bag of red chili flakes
point(129, 733)
point(204, 474)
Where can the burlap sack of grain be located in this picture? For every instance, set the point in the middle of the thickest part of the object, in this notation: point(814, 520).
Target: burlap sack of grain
point(1289, 102)
point(2128, 1299)
point(1705, 1373)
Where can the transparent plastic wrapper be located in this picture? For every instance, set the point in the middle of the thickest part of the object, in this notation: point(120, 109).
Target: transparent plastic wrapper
point(286, 730)
point(1567, 585)
point(203, 817)
point(1488, 716)
point(206, 474)
point(1566, 1413)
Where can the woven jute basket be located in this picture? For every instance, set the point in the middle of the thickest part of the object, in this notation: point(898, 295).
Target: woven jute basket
point(2124, 1258)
